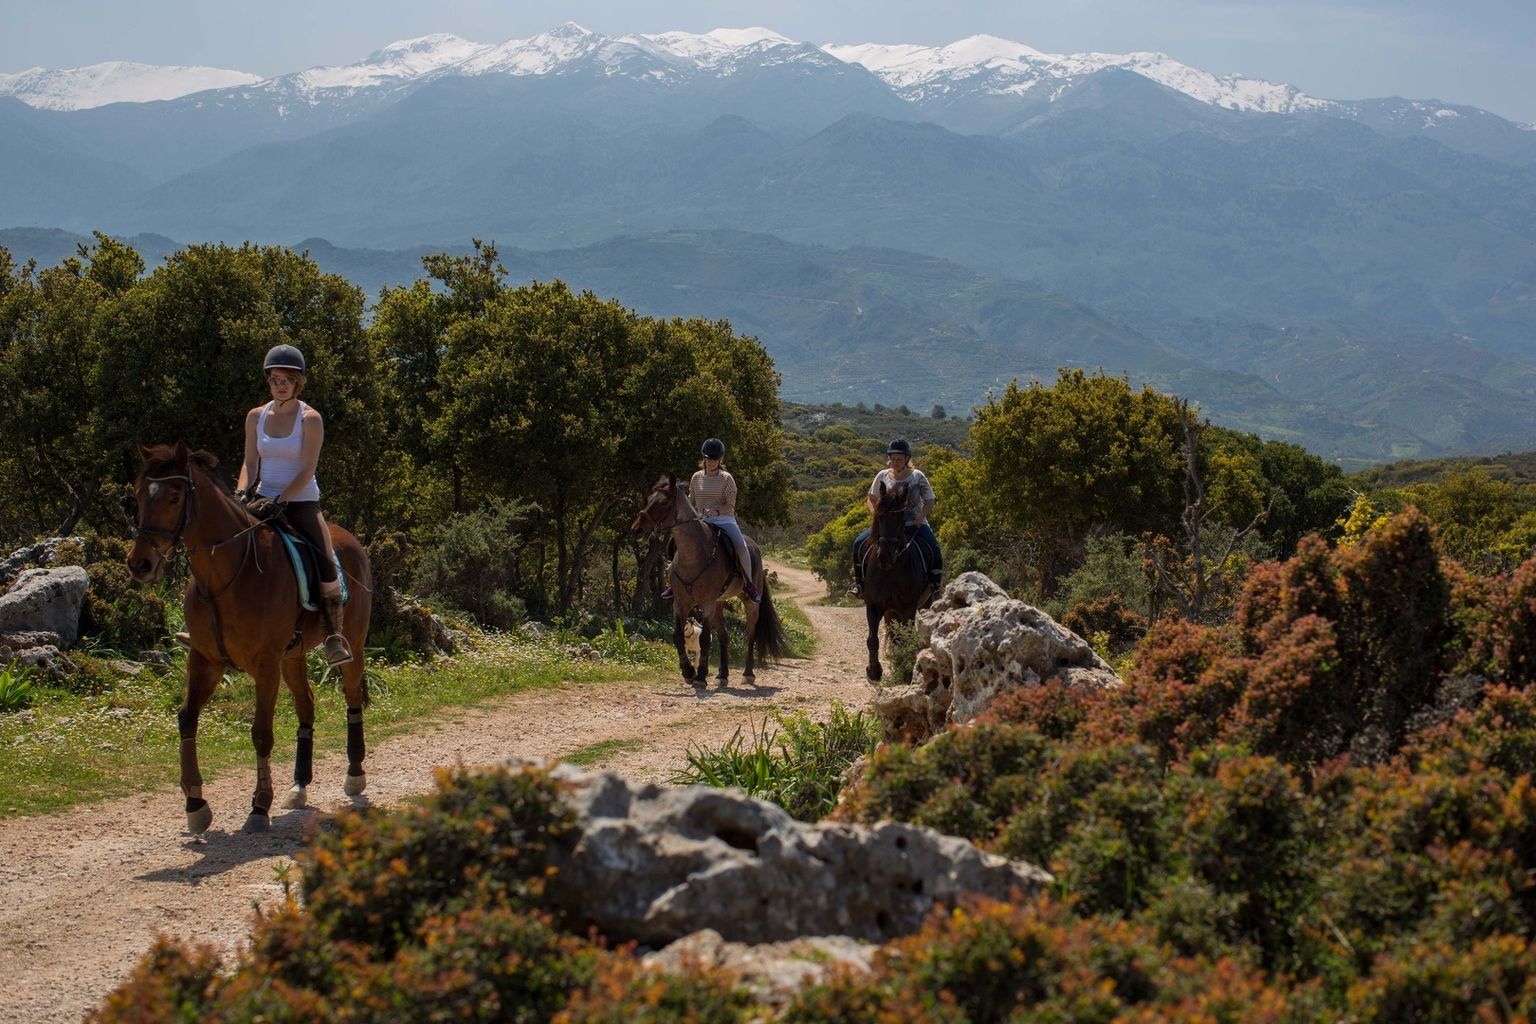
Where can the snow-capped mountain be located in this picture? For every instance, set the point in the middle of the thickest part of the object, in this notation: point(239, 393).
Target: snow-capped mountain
point(114, 81)
point(1001, 67)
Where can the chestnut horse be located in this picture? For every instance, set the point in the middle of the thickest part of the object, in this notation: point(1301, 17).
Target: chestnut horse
point(895, 574)
point(704, 577)
point(242, 610)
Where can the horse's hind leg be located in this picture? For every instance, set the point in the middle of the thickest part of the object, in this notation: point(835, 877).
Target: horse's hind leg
point(295, 674)
point(356, 690)
point(873, 669)
point(752, 614)
point(202, 677)
point(718, 622)
point(266, 677)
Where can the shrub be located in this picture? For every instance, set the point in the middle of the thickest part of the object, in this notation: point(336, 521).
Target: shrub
point(472, 564)
point(15, 688)
point(118, 612)
point(626, 993)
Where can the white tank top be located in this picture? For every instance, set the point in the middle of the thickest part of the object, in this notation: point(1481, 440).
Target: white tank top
point(281, 457)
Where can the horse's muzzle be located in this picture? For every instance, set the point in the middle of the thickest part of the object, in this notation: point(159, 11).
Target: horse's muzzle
point(145, 562)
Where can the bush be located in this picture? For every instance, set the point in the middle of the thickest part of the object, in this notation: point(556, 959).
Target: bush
point(119, 612)
point(15, 688)
point(472, 565)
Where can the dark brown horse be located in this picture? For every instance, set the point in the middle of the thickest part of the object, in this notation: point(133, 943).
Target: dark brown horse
point(704, 576)
point(895, 575)
point(242, 609)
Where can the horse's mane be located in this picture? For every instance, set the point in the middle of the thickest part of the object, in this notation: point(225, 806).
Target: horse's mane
point(895, 496)
point(161, 457)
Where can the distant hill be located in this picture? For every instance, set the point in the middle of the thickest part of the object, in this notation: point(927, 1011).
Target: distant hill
point(1516, 468)
point(897, 328)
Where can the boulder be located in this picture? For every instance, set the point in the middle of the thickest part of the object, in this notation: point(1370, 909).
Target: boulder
point(46, 601)
point(653, 864)
point(774, 971)
point(974, 642)
point(49, 661)
point(40, 554)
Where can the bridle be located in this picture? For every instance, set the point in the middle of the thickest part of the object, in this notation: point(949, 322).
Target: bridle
point(883, 541)
point(178, 542)
point(678, 520)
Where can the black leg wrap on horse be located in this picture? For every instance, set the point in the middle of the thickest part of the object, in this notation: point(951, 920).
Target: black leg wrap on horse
point(264, 812)
point(186, 724)
point(195, 804)
point(355, 748)
point(304, 758)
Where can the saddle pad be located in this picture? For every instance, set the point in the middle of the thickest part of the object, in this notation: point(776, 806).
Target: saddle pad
point(301, 573)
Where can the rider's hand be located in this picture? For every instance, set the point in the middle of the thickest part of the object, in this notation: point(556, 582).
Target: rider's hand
point(266, 508)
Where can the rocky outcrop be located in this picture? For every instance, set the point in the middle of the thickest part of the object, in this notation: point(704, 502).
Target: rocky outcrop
point(33, 556)
point(45, 601)
point(654, 864)
point(974, 642)
point(774, 971)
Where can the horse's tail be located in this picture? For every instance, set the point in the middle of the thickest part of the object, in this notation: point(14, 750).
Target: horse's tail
point(771, 642)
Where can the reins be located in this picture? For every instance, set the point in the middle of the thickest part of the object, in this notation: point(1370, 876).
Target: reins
point(678, 521)
point(178, 543)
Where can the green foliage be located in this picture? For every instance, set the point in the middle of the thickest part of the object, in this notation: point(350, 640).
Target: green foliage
point(830, 549)
point(798, 763)
point(15, 687)
point(118, 613)
point(472, 564)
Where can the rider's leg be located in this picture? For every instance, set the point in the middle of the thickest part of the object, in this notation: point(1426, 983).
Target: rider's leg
point(306, 519)
point(743, 556)
point(933, 553)
point(858, 560)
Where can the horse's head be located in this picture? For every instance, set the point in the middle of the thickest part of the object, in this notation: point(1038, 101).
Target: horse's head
point(890, 526)
point(165, 493)
point(660, 509)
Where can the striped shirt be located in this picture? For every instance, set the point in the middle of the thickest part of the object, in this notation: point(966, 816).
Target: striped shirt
point(715, 493)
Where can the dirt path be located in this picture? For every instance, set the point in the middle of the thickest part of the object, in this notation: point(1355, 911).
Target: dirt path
point(83, 893)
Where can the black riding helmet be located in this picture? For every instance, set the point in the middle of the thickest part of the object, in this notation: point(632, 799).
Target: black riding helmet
point(284, 357)
point(900, 446)
point(714, 448)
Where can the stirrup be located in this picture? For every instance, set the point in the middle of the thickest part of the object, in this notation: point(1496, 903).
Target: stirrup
point(750, 592)
point(337, 650)
point(183, 640)
point(666, 593)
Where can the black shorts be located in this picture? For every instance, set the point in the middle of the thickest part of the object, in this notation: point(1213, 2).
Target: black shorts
point(304, 517)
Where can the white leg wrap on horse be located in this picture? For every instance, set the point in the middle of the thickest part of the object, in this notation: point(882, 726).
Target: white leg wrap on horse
point(297, 797)
point(355, 785)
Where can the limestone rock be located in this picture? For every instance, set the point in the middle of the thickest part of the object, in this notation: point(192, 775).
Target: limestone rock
point(40, 554)
point(654, 864)
point(46, 601)
point(975, 642)
point(774, 971)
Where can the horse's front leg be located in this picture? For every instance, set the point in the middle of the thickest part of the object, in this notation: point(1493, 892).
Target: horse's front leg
point(873, 669)
point(203, 676)
point(680, 642)
point(267, 677)
point(296, 675)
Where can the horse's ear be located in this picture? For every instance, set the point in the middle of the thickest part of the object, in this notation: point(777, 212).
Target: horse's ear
point(145, 451)
point(181, 454)
point(672, 480)
point(882, 490)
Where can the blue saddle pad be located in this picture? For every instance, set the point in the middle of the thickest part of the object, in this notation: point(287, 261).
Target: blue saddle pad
point(301, 573)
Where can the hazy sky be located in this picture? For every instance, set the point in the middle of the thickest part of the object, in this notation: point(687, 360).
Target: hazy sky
point(1481, 52)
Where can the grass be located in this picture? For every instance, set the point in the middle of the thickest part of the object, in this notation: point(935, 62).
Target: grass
point(791, 759)
point(72, 748)
point(594, 754)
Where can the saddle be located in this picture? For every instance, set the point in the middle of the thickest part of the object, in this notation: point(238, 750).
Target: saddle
point(724, 540)
point(306, 566)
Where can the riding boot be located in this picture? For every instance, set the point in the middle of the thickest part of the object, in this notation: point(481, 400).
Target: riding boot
point(936, 579)
point(337, 650)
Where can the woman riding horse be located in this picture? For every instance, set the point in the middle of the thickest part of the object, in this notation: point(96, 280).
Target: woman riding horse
point(713, 492)
point(920, 501)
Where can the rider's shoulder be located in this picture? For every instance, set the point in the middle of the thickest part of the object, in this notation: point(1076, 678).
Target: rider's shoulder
point(255, 414)
point(311, 414)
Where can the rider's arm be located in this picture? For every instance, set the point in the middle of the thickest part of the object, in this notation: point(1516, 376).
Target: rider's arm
point(728, 499)
point(922, 516)
point(309, 455)
point(872, 499)
point(929, 499)
point(250, 465)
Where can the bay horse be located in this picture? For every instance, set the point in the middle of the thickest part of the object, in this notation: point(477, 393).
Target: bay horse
point(242, 610)
point(704, 576)
point(895, 573)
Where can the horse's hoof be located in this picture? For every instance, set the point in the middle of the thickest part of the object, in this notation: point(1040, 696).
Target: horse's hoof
point(199, 818)
point(874, 672)
point(355, 784)
point(258, 821)
point(297, 797)
point(747, 677)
